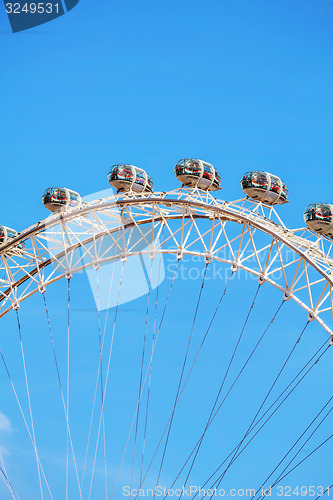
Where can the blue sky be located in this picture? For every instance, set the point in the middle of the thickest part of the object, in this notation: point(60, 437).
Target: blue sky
point(242, 85)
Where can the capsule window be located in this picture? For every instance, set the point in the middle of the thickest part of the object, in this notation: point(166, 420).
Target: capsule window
point(275, 184)
point(284, 192)
point(246, 179)
point(140, 177)
point(193, 167)
point(310, 213)
point(47, 196)
point(150, 182)
point(255, 180)
point(217, 179)
point(260, 180)
point(319, 212)
point(74, 199)
point(249, 180)
point(59, 196)
point(208, 171)
point(125, 173)
point(114, 173)
point(11, 233)
point(2, 235)
point(323, 213)
point(180, 168)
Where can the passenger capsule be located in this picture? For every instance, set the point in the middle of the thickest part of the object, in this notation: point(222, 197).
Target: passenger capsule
point(264, 187)
point(319, 218)
point(58, 199)
point(7, 234)
point(126, 178)
point(197, 173)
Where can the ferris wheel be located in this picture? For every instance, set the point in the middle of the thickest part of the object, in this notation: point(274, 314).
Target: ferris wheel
point(208, 348)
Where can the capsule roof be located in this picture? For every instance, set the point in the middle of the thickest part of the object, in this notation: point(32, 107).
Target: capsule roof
point(6, 234)
point(265, 187)
point(196, 173)
point(58, 199)
point(319, 218)
point(126, 178)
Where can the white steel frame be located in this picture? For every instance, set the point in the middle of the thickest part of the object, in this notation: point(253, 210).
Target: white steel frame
point(244, 234)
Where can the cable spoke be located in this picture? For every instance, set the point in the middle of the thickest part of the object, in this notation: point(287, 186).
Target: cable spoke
point(25, 421)
point(263, 403)
point(187, 378)
point(101, 372)
point(219, 392)
point(150, 372)
point(141, 375)
point(307, 456)
point(106, 377)
point(5, 478)
point(181, 377)
point(212, 415)
point(97, 377)
point(62, 395)
point(67, 392)
point(271, 415)
point(281, 476)
point(29, 402)
point(195, 359)
point(146, 375)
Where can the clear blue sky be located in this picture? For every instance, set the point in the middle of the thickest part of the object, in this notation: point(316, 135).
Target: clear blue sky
point(241, 84)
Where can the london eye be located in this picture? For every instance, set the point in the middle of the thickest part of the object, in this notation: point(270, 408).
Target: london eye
point(176, 379)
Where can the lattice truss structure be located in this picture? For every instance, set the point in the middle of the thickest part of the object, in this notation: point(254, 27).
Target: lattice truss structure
point(243, 234)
